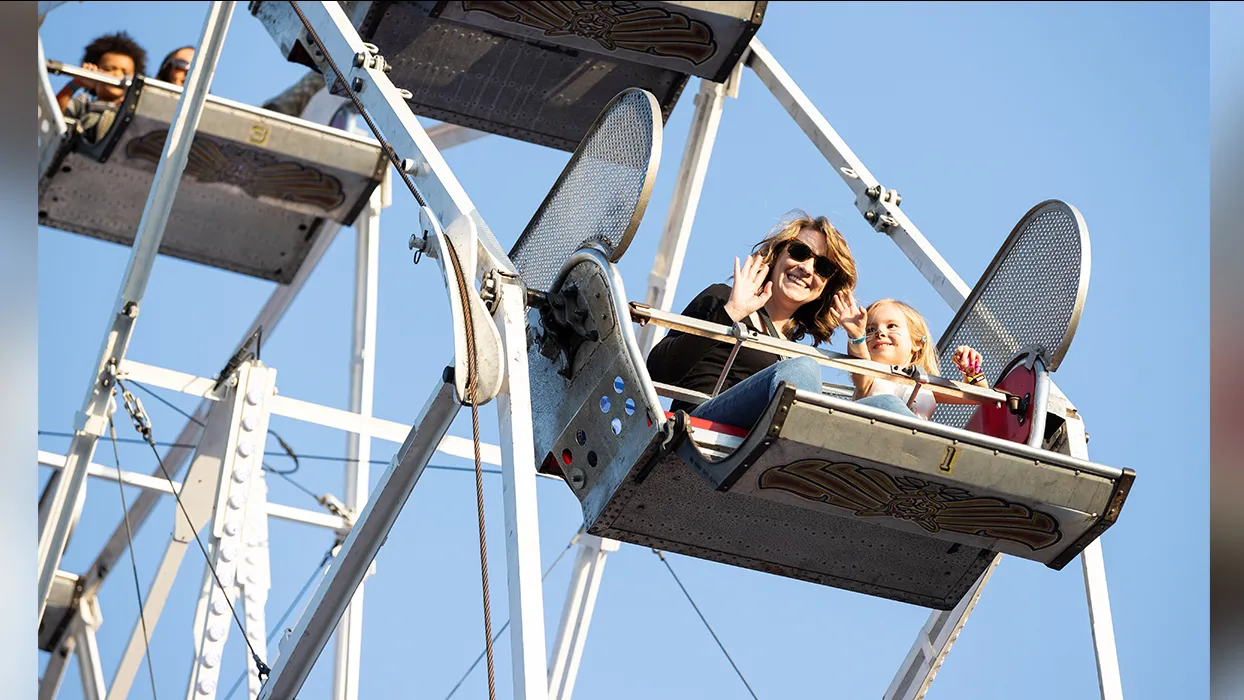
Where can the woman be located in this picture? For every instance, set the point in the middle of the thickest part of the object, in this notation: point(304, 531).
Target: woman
point(785, 289)
point(176, 65)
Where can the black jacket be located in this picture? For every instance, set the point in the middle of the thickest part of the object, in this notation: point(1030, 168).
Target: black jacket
point(692, 362)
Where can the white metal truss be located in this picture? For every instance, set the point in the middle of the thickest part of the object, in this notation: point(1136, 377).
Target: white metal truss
point(255, 579)
point(358, 445)
point(232, 533)
point(80, 640)
point(518, 483)
point(689, 184)
point(589, 568)
point(87, 648)
point(198, 495)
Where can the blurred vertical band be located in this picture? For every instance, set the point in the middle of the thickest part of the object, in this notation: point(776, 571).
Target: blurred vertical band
point(19, 667)
point(1226, 338)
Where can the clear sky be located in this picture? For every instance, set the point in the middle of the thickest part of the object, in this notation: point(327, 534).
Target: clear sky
point(974, 112)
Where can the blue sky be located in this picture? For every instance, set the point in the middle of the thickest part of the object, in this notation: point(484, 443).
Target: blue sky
point(974, 112)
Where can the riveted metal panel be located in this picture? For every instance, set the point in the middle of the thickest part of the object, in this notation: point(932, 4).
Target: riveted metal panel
point(673, 509)
point(256, 191)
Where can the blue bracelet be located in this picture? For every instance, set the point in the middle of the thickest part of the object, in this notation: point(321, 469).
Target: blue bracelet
point(857, 341)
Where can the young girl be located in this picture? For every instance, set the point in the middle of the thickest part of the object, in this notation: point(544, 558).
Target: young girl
point(893, 333)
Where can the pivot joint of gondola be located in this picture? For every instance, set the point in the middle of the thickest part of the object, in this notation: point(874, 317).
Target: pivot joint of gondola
point(568, 322)
point(537, 299)
point(1019, 405)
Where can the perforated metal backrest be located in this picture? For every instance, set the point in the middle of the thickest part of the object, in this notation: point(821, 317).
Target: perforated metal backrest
point(1030, 296)
point(602, 193)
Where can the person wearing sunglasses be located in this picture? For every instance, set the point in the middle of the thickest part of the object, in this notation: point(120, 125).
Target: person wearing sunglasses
point(176, 65)
point(785, 289)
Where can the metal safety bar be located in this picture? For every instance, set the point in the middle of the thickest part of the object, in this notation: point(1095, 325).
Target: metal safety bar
point(58, 68)
point(940, 386)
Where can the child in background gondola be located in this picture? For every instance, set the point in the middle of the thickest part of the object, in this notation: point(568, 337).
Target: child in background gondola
point(96, 107)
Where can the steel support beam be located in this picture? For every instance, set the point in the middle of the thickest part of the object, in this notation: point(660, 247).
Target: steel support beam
point(389, 111)
point(198, 497)
point(52, 128)
point(54, 673)
point(589, 568)
point(449, 219)
point(933, 643)
point(349, 638)
point(255, 581)
point(522, 523)
point(350, 565)
point(227, 509)
point(87, 649)
point(90, 422)
point(666, 268)
point(1101, 622)
point(326, 416)
point(158, 485)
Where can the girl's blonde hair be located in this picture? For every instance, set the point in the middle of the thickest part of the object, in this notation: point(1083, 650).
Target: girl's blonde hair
point(813, 318)
point(923, 351)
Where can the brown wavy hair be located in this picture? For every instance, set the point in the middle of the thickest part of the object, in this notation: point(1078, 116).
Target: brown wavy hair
point(812, 318)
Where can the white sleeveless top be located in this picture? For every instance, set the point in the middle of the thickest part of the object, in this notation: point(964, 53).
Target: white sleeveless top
point(925, 403)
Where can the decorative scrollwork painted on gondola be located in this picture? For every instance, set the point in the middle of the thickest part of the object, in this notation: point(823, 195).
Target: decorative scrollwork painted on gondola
point(869, 492)
point(257, 173)
point(621, 25)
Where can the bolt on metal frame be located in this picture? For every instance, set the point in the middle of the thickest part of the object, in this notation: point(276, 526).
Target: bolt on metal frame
point(449, 206)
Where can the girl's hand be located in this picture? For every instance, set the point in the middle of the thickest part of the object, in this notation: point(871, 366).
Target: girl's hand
point(967, 360)
point(849, 314)
point(752, 288)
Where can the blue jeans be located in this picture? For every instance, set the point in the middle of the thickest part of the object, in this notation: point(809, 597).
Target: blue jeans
point(742, 404)
point(887, 402)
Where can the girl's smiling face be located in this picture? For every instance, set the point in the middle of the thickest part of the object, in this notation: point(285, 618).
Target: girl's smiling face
point(889, 336)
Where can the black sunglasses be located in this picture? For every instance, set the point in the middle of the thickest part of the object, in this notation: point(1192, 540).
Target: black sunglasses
point(176, 63)
point(800, 251)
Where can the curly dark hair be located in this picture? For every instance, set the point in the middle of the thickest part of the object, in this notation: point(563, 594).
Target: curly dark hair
point(121, 43)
